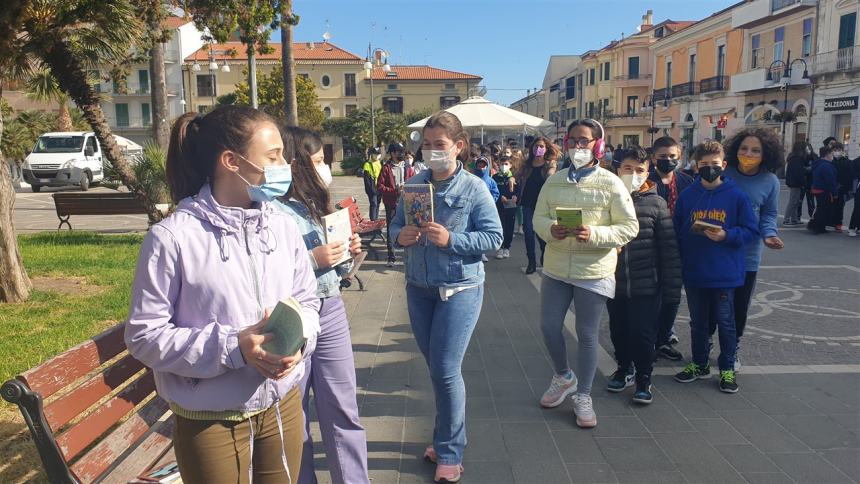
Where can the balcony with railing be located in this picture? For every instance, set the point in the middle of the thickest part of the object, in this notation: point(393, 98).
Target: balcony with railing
point(836, 61)
point(757, 12)
point(661, 94)
point(714, 84)
point(684, 90)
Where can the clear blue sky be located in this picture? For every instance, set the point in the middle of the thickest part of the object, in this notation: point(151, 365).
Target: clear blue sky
point(507, 42)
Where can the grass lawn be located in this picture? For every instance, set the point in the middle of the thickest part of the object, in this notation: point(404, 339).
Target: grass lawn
point(82, 285)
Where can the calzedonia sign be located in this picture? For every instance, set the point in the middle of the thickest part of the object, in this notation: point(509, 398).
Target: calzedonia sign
point(840, 103)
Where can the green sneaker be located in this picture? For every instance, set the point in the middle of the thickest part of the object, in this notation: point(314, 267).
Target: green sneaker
point(693, 372)
point(727, 381)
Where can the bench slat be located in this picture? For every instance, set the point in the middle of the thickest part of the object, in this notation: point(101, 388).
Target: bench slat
point(96, 204)
point(64, 369)
point(85, 432)
point(64, 409)
point(133, 447)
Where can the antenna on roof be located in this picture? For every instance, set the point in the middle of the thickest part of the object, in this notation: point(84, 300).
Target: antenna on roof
point(326, 34)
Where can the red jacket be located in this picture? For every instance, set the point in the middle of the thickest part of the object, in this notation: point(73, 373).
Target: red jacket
point(387, 186)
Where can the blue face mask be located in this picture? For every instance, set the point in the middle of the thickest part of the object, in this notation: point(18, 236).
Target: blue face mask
point(277, 182)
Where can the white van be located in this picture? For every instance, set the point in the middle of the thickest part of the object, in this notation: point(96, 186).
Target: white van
point(62, 159)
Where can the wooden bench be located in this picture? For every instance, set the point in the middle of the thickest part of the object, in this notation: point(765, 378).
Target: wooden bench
point(368, 229)
point(108, 203)
point(93, 413)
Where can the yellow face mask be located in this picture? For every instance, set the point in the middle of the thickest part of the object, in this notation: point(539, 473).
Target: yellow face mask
point(748, 163)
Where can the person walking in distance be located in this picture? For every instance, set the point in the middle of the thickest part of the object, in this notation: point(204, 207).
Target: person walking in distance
point(507, 204)
point(445, 278)
point(540, 165)
point(824, 187)
point(390, 183)
point(580, 261)
point(370, 172)
point(331, 373)
point(795, 180)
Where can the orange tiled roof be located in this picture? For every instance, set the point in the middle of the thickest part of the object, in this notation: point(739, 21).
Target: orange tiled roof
point(302, 51)
point(419, 73)
point(174, 22)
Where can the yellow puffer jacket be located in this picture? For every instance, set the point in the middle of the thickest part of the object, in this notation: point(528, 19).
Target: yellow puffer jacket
point(607, 209)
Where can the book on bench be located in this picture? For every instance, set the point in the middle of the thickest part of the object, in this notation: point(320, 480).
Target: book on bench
point(285, 322)
point(165, 473)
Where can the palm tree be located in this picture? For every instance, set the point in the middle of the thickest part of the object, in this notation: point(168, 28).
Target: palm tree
point(42, 86)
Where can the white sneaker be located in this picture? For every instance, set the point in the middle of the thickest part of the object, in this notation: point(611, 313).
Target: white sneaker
point(852, 233)
point(507, 253)
point(584, 410)
point(737, 363)
point(484, 258)
point(500, 254)
point(559, 388)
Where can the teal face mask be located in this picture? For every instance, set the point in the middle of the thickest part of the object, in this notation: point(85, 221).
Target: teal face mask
point(277, 182)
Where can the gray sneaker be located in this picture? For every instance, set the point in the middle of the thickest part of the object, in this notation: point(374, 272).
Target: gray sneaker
point(584, 410)
point(559, 388)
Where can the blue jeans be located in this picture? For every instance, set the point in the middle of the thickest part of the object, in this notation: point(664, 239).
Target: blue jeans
point(712, 309)
point(442, 330)
point(530, 235)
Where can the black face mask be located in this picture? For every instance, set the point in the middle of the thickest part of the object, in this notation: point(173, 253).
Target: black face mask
point(710, 173)
point(665, 165)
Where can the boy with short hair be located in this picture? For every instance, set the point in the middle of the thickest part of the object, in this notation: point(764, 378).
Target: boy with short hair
point(648, 274)
point(714, 220)
point(670, 183)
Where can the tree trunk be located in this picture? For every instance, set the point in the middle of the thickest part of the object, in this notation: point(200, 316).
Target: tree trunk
point(64, 120)
point(72, 78)
point(160, 112)
point(14, 284)
point(290, 104)
point(252, 75)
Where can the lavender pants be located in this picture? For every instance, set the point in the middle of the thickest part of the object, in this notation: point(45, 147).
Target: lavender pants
point(332, 378)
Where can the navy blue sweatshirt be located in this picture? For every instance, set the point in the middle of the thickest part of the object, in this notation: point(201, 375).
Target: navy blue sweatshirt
point(705, 263)
point(824, 176)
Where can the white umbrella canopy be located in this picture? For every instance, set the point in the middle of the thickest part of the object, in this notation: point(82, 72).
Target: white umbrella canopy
point(477, 112)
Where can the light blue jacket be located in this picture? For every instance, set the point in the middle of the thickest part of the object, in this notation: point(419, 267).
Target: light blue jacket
point(328, 279)
point(467, 210)
point(763, 191)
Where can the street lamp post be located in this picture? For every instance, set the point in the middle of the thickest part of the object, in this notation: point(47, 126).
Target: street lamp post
point(786, 76)
point(649, 104)
point(368, 69)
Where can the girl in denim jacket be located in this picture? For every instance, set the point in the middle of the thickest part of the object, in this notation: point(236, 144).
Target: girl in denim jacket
point(445, 276)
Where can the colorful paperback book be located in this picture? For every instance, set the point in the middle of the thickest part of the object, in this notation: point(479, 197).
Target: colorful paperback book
point(569, 217)
point(338, 228)
point(285, 322)
point(418, 204)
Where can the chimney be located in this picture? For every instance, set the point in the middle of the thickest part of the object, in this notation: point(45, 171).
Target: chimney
point(377, 57)
point(650, 17)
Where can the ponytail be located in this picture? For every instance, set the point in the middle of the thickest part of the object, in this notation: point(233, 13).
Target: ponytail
point(197, 141)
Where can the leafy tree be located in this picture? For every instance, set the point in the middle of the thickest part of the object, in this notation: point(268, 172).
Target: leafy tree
point(271, 93)
point(390, 127)
point(42, 86)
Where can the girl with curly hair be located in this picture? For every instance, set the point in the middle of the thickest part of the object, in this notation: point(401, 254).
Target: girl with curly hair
point(753, 155)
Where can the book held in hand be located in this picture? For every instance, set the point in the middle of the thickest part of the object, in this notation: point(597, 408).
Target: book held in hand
point(569, 217)
point(338, 229)
point(700, 226)
point(418, 203)
point(285, 322)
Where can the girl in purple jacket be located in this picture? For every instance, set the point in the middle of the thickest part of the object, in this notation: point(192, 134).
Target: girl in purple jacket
point(207, 278)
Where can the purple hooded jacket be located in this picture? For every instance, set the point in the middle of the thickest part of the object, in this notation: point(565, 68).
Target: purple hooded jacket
point(203, 274)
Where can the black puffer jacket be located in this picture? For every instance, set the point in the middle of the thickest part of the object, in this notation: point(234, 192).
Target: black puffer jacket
point(650, 265)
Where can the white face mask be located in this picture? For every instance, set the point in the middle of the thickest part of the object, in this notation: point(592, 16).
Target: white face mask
point(580, 157)
point(440, 160)
point(324, 173)
point(506, 168)
point(634, 182)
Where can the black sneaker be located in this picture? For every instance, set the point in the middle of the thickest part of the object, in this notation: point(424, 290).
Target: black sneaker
point(666, 351)
point(693, 372)
point(531, 267)
point(619, 380)
point(728, 384)
point(643, 390)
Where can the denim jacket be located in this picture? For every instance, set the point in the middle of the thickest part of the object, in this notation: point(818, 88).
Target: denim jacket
point(467, 210)
point(328, 279)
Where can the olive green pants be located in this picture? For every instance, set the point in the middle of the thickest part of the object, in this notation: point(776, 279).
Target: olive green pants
point(217, 451)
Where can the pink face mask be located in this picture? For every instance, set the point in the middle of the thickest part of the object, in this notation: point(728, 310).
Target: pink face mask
point(540, 150)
